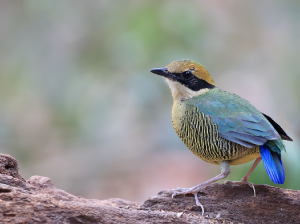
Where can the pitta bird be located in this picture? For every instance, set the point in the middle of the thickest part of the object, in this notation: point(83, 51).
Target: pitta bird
point(220, 127)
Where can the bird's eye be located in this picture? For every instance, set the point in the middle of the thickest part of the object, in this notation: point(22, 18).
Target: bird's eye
point(187, 74)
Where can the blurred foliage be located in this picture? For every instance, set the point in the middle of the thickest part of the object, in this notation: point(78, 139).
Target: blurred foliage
point(78, 104)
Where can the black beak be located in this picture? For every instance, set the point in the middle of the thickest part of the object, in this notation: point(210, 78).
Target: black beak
point(161, 71)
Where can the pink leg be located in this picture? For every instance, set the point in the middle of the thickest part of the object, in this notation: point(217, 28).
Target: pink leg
point(246, 177)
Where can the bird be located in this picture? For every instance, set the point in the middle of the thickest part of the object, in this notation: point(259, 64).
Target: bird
point(220, 127)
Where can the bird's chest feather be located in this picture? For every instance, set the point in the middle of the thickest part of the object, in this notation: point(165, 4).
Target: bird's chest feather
point(195, 129)
point(200, 134)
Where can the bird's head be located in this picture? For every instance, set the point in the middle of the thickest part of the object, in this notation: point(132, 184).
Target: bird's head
point(186, 79)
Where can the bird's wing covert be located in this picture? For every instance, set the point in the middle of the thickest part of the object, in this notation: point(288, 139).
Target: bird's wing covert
point(238, 121)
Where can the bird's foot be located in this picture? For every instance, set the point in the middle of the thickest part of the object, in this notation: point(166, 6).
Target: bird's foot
point(225, 170)
point(184, 191)
point(242, 182)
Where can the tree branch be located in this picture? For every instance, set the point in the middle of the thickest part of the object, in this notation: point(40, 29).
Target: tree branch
point(38, 201)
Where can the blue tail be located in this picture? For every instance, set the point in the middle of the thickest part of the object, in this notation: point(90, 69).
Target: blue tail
point(273, 164)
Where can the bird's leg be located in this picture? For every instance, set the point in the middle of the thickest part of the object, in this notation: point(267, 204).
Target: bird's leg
point(246, 177)
point(225, 170)
point(244, 180)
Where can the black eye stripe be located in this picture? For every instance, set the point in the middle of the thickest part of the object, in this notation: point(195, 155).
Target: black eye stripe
point(192, 82)
point(188, 79)
point(196, 84)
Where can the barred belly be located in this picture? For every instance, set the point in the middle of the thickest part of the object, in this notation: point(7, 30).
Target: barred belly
point(200, 134)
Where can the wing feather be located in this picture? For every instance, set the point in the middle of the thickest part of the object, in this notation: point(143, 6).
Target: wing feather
point(237, 120)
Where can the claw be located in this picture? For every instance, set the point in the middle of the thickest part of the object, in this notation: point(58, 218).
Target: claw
point(242, 182)
point(252, 186)
point(198, 203)
point(184, 191)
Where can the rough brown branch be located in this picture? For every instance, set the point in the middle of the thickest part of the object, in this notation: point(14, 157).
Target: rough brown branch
point(38, 201)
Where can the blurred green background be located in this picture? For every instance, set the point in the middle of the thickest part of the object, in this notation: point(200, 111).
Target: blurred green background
point(79, 105)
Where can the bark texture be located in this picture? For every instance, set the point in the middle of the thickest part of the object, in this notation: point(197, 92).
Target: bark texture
point(38, 201)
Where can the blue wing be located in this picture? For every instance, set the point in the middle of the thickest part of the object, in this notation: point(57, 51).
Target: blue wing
point(238, 121)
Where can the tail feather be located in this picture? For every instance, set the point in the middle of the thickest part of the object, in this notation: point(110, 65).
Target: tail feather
point(273, 164)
